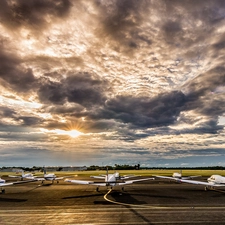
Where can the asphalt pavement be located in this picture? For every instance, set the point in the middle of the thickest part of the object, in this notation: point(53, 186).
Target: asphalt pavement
point(148, 202)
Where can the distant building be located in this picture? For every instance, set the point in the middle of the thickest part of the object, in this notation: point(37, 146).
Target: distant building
point(10, 169)
point(65, 168)
point(74, 168)
point(48, 169)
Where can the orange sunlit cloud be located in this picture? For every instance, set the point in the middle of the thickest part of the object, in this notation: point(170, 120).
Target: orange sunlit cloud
point(117, 81)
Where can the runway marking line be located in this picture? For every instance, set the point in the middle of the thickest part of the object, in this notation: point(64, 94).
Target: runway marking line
point(160, 207)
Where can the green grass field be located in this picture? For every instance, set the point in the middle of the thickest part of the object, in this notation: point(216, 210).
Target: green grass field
point(166, 172)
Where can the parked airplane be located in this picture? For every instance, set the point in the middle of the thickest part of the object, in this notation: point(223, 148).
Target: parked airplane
point(49, 177)
point(177, 176)
point(3, 184)
point(111, 180)
point(213, 181)
point(23, 175)
point(117, 176)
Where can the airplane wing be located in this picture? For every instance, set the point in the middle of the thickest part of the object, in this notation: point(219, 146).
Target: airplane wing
point(86, 182)
point(106, 183)
point(128, 176)
point(29, 178)
point(171, 178)
point(190, 177)
point(177, 179)
point(98, 177)
point(12, 176)
point(201, 183)
point(133, 181)
point(43, 179)
point(39, 179)
point(14, 183)
point(59, 178)
point(120, 177)
point(5, 184)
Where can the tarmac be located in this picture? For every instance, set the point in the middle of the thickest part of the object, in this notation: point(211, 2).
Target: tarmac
point(148, 202)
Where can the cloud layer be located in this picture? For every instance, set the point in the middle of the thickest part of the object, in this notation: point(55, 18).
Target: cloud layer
point(142, 80)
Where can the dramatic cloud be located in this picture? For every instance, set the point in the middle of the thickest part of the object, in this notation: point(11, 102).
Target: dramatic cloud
point(144, 81)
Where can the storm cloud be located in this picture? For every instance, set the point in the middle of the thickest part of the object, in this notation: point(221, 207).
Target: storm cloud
point(136, 78)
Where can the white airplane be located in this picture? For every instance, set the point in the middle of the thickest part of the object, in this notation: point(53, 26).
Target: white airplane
point(3, 184)
point(213, 181)
point(49, 177)
point(110, 180)
point(24, 175)
point(117, 176)
point(176, 176)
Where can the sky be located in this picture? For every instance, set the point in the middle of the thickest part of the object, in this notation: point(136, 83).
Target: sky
point(105, 82)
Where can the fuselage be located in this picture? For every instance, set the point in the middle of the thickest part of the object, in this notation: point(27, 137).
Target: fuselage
point(2, 181)
point(110, 179)
point(216, 179)
point(50, 176)
point(28, 175)
point(177, 175)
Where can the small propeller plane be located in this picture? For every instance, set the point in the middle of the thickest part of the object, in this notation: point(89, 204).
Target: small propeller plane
point(213, 181)
point(177, 176)
point(110, 180)
point(49, 177)
point(23, 176)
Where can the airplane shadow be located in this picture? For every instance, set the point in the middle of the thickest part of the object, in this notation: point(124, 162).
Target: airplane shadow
point(134, 193)
point(123, 197)
point(49, 184)
point(33, 188)
point(84, 196)
point(159, 196)
point(12, 200)
point(126, 197)
point(218, 193)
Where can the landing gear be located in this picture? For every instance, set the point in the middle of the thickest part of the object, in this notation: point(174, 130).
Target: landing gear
point(3, 191)
point(122, 188)
point(97, 189)
point(209, 188)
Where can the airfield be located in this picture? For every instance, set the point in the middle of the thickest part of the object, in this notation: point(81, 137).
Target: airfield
point(148, 202)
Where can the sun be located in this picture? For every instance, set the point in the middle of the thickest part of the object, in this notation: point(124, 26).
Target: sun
point(71, 133)
point(74, 133)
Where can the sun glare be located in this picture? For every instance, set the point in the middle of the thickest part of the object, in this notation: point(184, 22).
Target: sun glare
point(71, 133)
point(74, 133)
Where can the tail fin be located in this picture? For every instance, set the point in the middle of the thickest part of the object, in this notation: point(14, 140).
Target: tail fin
point(107, 173)
point(44, 170)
